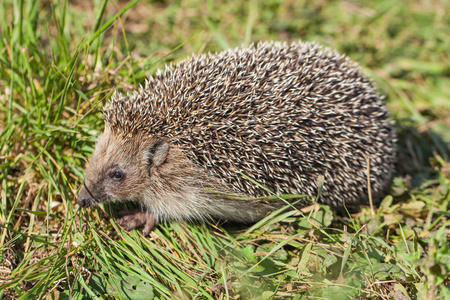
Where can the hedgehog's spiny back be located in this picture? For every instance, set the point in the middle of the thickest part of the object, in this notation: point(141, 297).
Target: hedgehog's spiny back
point(283, 114)
point(218, 81)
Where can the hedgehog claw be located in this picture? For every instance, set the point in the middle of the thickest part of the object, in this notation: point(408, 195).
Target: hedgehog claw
point(135, 219)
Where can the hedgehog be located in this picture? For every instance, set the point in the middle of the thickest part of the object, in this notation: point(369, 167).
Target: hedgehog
point(294, 118)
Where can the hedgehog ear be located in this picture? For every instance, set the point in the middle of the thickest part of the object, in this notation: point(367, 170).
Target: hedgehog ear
point(157, 152)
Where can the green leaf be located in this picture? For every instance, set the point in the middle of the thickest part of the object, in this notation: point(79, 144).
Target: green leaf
point(384, 271)
point(302, 268)
point(248, 253)
point(129, 287)
point(267, 295)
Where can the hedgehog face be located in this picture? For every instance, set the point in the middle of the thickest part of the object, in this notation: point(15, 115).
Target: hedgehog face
point(119, 168)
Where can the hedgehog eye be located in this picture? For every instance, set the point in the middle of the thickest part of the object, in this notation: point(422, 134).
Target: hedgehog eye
point(117, 176)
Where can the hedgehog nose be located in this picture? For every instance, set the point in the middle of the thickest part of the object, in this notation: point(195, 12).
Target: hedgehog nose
point(83, 202)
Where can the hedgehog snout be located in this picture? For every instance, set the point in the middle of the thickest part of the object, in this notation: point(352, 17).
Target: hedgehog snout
point(83, 202)
point(84, 198)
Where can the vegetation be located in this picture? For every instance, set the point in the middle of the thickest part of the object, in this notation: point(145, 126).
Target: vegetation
point(61, 60)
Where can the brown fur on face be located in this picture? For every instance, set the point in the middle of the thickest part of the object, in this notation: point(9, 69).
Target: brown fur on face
point(114, 154)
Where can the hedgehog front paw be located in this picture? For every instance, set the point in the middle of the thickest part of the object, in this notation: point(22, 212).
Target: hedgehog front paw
point(135, 219)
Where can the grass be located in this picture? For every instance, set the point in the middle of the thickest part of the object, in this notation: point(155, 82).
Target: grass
point(61, 60)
